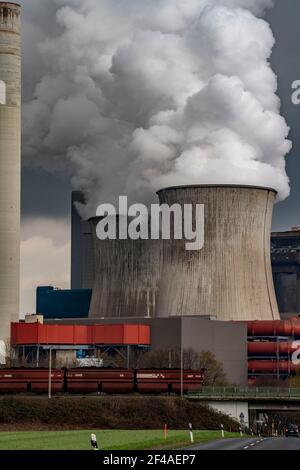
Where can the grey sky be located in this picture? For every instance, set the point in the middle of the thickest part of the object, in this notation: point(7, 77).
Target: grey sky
point(45, 194)
point(284, 19)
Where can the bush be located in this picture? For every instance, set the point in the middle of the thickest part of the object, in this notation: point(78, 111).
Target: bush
point(111, 413)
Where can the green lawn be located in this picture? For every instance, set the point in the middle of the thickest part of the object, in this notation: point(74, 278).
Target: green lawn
point(107, 440)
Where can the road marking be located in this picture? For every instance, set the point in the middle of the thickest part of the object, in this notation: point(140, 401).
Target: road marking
point(253, 444)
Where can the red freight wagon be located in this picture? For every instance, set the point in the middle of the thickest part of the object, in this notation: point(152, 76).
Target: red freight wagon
point(168, 381)
point(100, 380)
point(30, 380)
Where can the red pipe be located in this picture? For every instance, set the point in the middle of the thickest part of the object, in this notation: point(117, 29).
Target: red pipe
point(271, 367)
point(289, 327)
point(272, 348)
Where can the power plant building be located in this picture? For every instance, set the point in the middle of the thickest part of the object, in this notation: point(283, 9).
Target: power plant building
point(82, 250)
point(199, 299)
point(53, 303)
point(229, 279)
point(10, 164)
point(285, 249)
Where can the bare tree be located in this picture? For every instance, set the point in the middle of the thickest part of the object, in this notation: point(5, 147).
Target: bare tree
point(171, 357)
point(10, 356)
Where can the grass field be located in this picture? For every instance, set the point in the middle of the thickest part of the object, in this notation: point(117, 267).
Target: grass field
point(107, 440)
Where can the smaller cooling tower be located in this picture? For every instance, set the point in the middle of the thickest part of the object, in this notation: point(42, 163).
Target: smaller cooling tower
point(127, 276)
point(231, 276)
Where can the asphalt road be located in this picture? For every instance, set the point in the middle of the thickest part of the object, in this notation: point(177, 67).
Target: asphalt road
point(258, 443)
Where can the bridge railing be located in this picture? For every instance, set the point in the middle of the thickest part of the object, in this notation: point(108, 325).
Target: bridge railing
point(246, 392)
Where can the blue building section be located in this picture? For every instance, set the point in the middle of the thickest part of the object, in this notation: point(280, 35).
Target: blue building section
point(60, 304)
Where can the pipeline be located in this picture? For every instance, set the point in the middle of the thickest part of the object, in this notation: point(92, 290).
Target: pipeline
point(289, 327)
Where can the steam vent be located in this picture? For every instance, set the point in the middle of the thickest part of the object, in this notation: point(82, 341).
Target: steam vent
point(231, 276)
point(10, 155)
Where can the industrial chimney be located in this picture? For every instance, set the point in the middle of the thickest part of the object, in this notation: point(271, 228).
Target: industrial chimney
point(127, 274)
point(231, 277)
point(10, 156)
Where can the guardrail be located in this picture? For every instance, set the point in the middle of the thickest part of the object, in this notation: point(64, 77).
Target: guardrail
point(223, 393)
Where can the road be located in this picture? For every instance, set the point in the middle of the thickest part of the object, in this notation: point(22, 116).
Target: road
point(258, 443)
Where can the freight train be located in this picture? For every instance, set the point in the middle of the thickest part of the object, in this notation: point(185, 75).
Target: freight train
point(100, 380)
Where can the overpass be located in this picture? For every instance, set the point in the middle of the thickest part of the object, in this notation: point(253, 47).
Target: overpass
point(237, 401)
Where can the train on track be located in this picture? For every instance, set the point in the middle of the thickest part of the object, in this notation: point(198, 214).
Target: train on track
point(100, 380)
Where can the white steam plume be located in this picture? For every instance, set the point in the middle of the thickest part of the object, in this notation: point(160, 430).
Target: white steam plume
point(137, 95)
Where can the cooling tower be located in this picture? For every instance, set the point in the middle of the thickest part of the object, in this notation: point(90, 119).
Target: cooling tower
point(10, 153)
point(231, 276)
point(127, 274)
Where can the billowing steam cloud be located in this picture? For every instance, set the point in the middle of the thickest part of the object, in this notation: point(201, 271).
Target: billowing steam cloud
point(136, 95)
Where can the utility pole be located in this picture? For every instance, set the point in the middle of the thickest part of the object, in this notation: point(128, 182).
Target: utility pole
point(50, 374)
point(181, 369)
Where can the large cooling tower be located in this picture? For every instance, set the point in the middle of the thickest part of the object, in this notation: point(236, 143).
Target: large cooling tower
point(10, 153)
point(231, 276)
point(127, 276)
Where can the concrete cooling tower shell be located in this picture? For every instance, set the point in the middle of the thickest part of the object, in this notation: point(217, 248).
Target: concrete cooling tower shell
point(127, 274)
point(231, 276)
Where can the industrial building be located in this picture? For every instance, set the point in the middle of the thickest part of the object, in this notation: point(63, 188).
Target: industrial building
point(33, 340)
point(285, 247)
point(10, 164)
point(152, 293)
point(230, 278)
point(59, 303)
point(201, 300)
point(271, 346)
point(286, 270)
point(227, 340)
point(82, 249)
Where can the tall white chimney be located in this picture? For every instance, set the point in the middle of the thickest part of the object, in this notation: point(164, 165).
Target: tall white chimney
point(10, 164)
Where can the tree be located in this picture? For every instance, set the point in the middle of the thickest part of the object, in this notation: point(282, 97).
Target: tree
point(9, 357)
point(171, 358)
point(214, 374)
point(294, 381)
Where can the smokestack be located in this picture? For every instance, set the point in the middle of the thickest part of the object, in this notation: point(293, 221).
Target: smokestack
point(231, 276)
point(127, 274)
point(10, 162)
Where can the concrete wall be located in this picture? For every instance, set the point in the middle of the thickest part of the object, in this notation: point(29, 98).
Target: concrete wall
point(232, 409)
point(82, 250)
point(127, 274)
point(228, 341)
point(231, 276)
point(88, 269)
point(76, 242)
point(10, 165)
